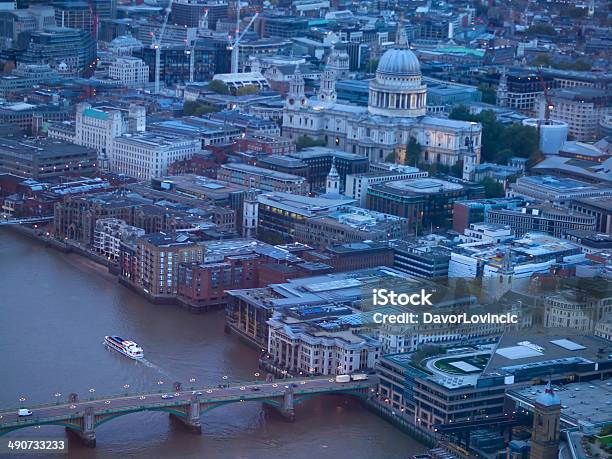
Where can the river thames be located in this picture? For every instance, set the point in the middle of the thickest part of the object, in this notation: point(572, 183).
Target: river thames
point(55, 310)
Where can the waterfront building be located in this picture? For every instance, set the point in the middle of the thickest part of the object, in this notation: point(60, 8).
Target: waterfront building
point(541, 218)
point(158, 257)
point(249, 310)
point(130, 71)
point(75, 217)
point(263, 179)
point(555, 190)
point(45, 159)
point(146, 155)
point(350, 224)
point(395, 114)
point(314, 340)
point(202, 286)
point(110, 233)
point(471, 383)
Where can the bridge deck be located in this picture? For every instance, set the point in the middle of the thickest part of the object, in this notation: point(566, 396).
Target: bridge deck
point(57, 413)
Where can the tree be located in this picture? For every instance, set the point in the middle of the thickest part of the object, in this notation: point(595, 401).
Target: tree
point(413, 151)
point(246, 90)
point(218, 86)
point(371, 65)
point(307, 141)
point(523, 141)
point(499, 141)
point(541, 29)
point(493, 189)
point(390, 158)
point(194, 108)
point(456, 170)
point(488, 94)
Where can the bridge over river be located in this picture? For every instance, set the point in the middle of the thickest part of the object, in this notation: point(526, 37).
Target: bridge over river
point(83, 416)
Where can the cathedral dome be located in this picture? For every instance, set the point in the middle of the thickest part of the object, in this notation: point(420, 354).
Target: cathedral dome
point(399, 61)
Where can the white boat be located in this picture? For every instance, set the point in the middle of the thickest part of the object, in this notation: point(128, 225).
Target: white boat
point(128, 348)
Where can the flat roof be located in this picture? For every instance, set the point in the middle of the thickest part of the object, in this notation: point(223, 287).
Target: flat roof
point(580, 402)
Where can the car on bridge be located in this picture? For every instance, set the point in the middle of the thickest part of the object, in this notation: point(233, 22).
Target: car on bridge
point(167, 396)
point(24, 412)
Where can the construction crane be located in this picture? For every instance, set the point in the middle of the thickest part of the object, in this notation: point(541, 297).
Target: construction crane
point(156, 45)
point(549, 105)
point(190, 51)
point(235, 46)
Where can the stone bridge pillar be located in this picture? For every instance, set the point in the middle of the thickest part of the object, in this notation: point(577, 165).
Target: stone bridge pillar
point(87, 433)
point(192, 416)
point(288, 410)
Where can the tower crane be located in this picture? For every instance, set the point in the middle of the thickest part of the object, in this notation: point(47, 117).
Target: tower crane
point(191, 49)
point(235, 46)
point(156, 45)
point(549, 105)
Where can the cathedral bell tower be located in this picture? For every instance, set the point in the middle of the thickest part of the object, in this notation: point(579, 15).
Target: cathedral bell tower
point(296, 97)
point(327, 91)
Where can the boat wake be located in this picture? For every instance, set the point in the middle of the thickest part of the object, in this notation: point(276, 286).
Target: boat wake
point(153, 366)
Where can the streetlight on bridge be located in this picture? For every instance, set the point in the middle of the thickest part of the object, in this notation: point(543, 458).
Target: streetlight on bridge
point(126, 387)
point(22, 399)
point(224, 380)
point(160, 384)
point(91, 391)
point(57, 395)
point(192, 380)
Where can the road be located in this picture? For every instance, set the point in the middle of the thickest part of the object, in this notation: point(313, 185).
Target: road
point(136, 402)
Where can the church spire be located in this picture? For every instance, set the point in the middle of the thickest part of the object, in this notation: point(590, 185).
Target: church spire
point(332, 185)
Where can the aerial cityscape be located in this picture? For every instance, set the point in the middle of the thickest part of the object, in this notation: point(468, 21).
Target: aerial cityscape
point(286, 229)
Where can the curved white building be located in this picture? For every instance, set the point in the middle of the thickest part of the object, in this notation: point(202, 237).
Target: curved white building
point(553, 134)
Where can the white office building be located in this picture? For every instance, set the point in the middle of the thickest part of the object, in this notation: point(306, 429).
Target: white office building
point(146, 155)
point(131, 71)
point(319, 348)
point(97, 127)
